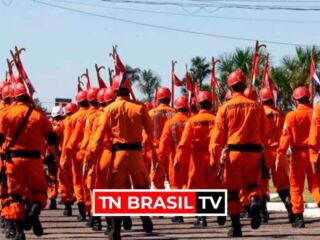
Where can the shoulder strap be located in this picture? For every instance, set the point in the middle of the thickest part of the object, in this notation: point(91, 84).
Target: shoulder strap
point(22, 124)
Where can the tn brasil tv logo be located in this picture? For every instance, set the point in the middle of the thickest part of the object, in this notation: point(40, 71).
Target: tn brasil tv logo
point(160, 202)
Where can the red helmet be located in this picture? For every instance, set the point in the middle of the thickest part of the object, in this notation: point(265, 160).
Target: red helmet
point(2, 85)
point(109, 95)
point(92, 94)
point(236, 77)
point(300, 92)
point(20, 90)
point(148, 105)
point(81, 96)
point(228, 95)
point(6, 92)
point(181, 102)
point(265, 94)
point(163, 92)
point(116, 81)
point(100, 95)
point(71, 108)
point(204, 96)
point(251, 93)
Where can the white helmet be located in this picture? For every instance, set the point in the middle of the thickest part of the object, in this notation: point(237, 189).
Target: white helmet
point(57, 111)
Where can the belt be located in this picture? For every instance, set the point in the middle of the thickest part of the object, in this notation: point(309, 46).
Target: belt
point(299, 148)
point(126, 146)
point(24, 154)
point(245, 148)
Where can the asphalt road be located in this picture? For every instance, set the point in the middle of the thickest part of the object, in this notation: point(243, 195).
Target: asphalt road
point(61, 227)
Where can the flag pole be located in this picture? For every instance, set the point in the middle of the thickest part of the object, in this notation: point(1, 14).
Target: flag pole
point(213, 92)
point(172, 81)
point(255, 55)
point(311, 81)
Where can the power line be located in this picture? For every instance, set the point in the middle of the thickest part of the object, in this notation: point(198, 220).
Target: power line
point(167, 28)
point(188, 15)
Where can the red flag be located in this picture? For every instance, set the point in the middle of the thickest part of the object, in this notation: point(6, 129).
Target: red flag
point(313, 79)
point(255, 68)
point(176, 81)
point(196, 88)
point(213, 81)
point(189, 81)
point(118, 65)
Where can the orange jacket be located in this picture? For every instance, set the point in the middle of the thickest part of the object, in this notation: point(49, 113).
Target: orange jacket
point(122, 122)
point(273, 128)
point(238, 121)
point(171, 135)
point(295, 130)
point(75, 130)
point(314, 135)
point(159, 116)
point(196, 135)
point(88, 129)
point(58, 128)
point(33, 136)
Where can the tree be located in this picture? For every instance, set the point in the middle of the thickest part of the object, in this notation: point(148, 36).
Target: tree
point(134, 73)
point(199, 70)
point(148, 82)
point(38, 104)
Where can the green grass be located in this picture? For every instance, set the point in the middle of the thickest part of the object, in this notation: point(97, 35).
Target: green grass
point(306, 194)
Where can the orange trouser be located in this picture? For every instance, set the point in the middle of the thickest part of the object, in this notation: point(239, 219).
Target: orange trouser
point(244, 197)
point(147, 156)
point(300, 167)
point(77, 174)
point(178, 178)
point(65, 182)
point(102, 169)
point(280, 178)
point(25, 173)
point(242, 171)
point(53, 190)
point(128, 163)
point(200, 175)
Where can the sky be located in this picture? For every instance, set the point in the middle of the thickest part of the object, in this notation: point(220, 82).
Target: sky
point(61, 44)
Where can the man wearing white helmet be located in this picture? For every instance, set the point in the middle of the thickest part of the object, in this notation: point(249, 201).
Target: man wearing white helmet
point(57, 115)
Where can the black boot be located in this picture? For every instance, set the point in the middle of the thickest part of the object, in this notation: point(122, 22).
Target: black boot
point(27, 209)
point(33, 219)
point(299, 221)
point(255, 213)
point(19, 230)
point(10, 230)
point(264, 210)
point(221, 220)
point(127, 223)
point(67, 209)
point(53, 204)
point(89, 222)
point(109, 226)
point(200, 222)
point(177, 219)
point(286, 199)
point(245, 212)
point(82, 213)
point(147, 224)
point(96, 224)
point(115, 233)
point(2, 222)
point(235, 230)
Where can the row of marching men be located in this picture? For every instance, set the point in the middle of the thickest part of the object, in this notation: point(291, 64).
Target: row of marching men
point(93, 145)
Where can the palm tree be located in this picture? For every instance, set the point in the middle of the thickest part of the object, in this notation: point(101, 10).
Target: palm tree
point(199, 70)
point(148, 82)
point(134, 73)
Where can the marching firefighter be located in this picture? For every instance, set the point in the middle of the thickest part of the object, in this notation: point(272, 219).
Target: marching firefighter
point(195, 141)
point(280, 178)
point(116, 126)
point(25, 131)
point(169, 141)
point(58, 115)
point(193, 106)
point(240, 126)
point(65, 162)
point(295, 134)
point(159, 116)
point(74, 135)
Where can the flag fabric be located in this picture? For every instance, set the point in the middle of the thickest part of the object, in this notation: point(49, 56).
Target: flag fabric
point(88, 83)
point(267, 82)
point(196, 89)
point(255, 69)
point(101, 83)
point(213, 80)
point(118, 65)
point(23, 77)
point(313, 73)
point(189, 84)
point(176, 81)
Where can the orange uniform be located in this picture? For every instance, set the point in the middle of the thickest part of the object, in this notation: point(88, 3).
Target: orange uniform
point(169, 141)
point(196, 138)
point(74, 135)
point(314, 136)
point(117, 122)
point(240, 125)
point(296, 134)
point(275, 121)
point(159, 116)
point(25, 168)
